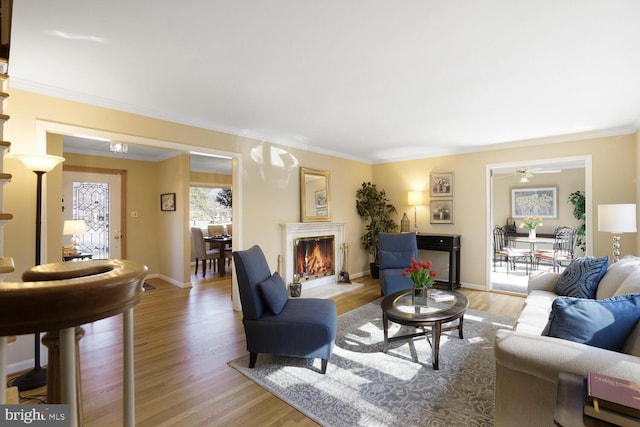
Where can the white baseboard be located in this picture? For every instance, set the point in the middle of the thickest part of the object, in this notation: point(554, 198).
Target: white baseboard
point(170, 280)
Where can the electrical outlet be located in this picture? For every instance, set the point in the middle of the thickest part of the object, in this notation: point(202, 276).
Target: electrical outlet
point(134, 214)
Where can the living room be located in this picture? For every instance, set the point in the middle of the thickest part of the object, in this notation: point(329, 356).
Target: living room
point(266, 182)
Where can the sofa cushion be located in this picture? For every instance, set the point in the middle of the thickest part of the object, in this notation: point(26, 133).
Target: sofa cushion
point(600, 323)
point(630, 285)
point(274, 293)
point(616, 274)
point(581, 277)
point(535, 312)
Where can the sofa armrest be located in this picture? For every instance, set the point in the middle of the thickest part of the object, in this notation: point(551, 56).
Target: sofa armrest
point(545, 357)
point(542, 280)
point(527, 368)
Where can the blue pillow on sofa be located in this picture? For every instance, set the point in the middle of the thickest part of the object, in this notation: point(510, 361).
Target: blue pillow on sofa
point(274, 293)
point(604, 323)
point(581, 277)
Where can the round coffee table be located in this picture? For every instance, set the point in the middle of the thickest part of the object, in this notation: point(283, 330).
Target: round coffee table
point(398, 308)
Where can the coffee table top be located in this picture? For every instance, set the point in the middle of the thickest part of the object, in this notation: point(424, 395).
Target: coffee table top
point(399, 309)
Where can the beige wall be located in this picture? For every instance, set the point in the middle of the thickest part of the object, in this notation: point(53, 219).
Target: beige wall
point(269, 181)
point(614, 171)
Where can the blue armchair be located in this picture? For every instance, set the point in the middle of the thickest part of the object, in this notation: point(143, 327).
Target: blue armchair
point(274, 324)
point(395, 253)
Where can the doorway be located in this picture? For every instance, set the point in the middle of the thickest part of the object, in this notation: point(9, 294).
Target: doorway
point(565, 175)
point(96, 197)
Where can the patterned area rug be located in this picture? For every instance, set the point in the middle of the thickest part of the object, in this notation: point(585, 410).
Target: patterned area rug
point(365, 387)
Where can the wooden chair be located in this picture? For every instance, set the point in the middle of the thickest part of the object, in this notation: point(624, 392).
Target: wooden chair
point(562, 252)
point(200, 251)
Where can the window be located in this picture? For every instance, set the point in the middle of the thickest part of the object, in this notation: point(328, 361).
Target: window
point(208, 205)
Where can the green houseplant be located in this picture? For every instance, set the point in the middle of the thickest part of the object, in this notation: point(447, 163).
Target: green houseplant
point(373, 205)
point(225, 198)
point(579, 212)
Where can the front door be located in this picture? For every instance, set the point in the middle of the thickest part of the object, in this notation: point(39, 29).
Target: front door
point(95, 197)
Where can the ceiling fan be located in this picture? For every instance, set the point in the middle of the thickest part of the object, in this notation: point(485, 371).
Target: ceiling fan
point(525, 173)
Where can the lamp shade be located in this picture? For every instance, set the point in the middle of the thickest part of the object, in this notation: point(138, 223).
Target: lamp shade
point(39, 162)
point(74, 226)
point(619, 218)
point(415, 198)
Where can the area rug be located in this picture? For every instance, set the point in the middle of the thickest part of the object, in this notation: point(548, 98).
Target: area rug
point(365, 387)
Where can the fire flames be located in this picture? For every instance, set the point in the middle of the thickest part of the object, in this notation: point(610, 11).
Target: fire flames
point(312, 260)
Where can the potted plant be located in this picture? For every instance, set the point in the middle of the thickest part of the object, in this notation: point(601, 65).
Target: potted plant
point(373, 205)
point(579, 212)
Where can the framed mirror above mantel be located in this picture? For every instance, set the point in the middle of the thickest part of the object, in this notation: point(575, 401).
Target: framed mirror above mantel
point(315, 195)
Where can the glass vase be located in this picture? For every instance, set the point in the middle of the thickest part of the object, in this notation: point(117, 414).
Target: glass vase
point(532, 234)
point(419, 297)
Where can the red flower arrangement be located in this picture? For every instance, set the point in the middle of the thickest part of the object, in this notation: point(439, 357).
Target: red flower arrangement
point(420, 274)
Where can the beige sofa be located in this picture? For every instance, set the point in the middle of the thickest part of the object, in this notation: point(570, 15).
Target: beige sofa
point(528, 364)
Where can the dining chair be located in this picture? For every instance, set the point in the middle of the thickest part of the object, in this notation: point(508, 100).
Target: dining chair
point(215, 230)
point(499, 245)
point(200, 251)
point(505, 249)
point(562, 252)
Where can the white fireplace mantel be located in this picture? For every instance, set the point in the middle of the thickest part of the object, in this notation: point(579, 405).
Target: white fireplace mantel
point(297, 230)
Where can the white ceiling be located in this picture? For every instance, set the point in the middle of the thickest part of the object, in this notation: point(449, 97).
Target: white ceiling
point(372, 80)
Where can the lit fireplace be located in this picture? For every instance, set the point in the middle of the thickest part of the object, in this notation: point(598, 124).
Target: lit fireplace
point(326, 266)
point(314, 257)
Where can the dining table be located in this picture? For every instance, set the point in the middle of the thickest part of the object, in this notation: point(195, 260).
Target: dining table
point(221, 243)
point(533, 242)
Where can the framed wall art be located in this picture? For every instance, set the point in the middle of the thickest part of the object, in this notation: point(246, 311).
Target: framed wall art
point(441, 184)
point(168, 202)
point(441, 211)
point(321, 199)
point(542, 201)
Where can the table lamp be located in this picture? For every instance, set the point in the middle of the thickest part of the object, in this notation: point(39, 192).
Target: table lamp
point(617, 219)
point(73, 227)
point(415, 200)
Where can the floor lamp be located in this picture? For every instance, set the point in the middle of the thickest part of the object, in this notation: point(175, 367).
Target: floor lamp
point(415, 200)
point(617, 219)
point(39, 164)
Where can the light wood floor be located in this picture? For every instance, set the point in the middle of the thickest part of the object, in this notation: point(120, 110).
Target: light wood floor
point(183, 340)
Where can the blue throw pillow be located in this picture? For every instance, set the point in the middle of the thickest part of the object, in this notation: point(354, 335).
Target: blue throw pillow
point(604, 323)
point(581, 277)
point(274, 293)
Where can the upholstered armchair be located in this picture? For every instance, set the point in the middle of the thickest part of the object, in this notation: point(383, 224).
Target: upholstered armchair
point(396, 251)
point(275, 324)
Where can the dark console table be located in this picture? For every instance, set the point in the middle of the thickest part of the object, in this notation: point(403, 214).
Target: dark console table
point(446, 243)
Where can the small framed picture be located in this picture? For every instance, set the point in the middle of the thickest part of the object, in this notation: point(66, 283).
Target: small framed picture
point(321, 199)
point(441, 211)
point(441, 184)
point(168, 202)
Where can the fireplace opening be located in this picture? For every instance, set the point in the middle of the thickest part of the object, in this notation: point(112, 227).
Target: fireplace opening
point(314, 257)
